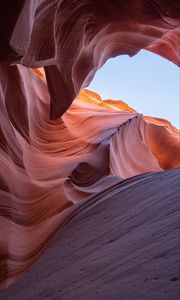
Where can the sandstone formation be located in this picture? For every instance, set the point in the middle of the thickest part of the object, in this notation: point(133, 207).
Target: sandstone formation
point(122, 244)
point(72, 39)
point(57, 154)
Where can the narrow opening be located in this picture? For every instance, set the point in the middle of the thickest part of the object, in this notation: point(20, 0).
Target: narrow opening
point(146, 82)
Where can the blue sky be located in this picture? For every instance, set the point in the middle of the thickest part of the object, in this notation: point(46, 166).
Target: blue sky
point(147, 82)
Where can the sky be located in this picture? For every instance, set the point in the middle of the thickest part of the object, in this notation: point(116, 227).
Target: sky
point(146, 81)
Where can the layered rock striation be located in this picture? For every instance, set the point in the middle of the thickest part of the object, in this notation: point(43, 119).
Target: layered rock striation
point(55, 154)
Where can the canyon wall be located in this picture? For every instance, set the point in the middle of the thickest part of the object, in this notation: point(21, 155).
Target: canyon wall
point(56, 153)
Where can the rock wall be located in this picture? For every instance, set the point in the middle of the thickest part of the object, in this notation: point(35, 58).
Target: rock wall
point(52, 158)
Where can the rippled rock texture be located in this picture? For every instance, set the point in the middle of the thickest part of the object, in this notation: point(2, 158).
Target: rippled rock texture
point(72, 39)
point(121, 244)
point(51, 158)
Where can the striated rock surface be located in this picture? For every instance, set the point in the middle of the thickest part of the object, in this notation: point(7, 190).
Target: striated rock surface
point(47, 166)
point(122, 244)
point(52, 159)
point(72, 39)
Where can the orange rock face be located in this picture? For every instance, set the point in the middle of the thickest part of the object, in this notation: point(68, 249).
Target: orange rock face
point(49, 164)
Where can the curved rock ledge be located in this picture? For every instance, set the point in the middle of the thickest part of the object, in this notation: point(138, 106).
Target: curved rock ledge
point(122, 244)
point(48, 166)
